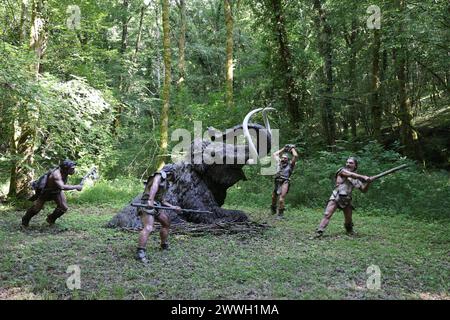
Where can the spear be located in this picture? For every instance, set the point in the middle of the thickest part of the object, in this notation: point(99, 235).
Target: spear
point(140, 205)
point(384, 173)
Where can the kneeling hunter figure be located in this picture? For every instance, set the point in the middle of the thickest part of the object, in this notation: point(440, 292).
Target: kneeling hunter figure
point(346, 180)
point(285, 167)
point(155, 188)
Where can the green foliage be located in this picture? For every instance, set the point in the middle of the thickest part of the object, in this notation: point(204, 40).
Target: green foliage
point(89, 81)
point(108, 192)
point(87, 135)
point(72, 120)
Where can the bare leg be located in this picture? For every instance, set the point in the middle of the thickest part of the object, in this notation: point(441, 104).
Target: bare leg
point(148, 221)
point(273, 207)
point(164, 232)
point(61, 208)
point(348, 224)
point(284, 190)
point(38, 205)
point(329, 211)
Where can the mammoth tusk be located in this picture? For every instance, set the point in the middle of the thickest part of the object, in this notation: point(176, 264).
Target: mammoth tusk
point(266, 119)
point(253, 150)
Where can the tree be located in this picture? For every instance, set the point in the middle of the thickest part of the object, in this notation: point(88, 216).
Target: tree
point(376, 107)
point(139, 35)
point(182, 44)
point(26, 113)
point(164, 126)
point(408, 136)
point(123, 83)
point(23, 21)
point(325, 48)
point(350, 39)
point(39, 33)
point(286, 65)
point(125, 21)
point(229, 49)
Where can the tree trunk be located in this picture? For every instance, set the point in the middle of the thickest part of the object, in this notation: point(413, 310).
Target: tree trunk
point(376, 109)
point(22, 151)
point(408, 136)
point(158, 56)
point(125, 20)
point(229, 49)
point(139, 35)
point(38, 35)
point(23, 21)
point(286, 66)
point(182, 43)
point(385, 105)
point(164, 129)
point(404, 111)
point(325, 34)
point(180, 101)
point(25, 117)
point(123, 84)
point(351, 42)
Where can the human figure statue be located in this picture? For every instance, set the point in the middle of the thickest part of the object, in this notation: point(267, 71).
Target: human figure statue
point(285, 167)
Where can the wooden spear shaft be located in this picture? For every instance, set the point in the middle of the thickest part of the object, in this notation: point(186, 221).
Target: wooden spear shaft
point(389, 171)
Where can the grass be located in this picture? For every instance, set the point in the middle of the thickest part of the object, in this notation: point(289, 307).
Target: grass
point(282, 263)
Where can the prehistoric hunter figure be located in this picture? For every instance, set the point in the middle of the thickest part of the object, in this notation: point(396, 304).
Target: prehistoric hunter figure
point(155, 188)
point(346, 180)
point(50, 187)
point(285, 167)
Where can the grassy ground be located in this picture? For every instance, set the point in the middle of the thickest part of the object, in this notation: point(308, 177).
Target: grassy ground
point(282, 263)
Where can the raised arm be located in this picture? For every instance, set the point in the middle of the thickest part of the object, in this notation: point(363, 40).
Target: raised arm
point(294, 156)
point(354, 175)
point(276, 154)
point(59, 183)
point(366, 180)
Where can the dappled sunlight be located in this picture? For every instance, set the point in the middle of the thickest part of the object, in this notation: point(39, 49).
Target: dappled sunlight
point(433, 296)
point(18, 293)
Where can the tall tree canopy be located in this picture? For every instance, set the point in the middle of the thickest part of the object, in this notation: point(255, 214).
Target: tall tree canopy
point(96, 80)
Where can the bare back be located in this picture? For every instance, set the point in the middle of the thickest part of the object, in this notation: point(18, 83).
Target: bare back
point(56, 180)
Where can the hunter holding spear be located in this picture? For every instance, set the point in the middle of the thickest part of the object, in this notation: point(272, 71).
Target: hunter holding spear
point(155, 188)
point(346, 180)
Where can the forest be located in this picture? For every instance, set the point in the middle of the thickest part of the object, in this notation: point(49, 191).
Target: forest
point(108, 83)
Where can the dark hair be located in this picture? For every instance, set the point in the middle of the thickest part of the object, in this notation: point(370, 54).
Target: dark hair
point(355, 161)
point(67, 164)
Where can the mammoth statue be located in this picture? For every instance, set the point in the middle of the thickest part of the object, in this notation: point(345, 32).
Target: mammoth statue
point(212, 165)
